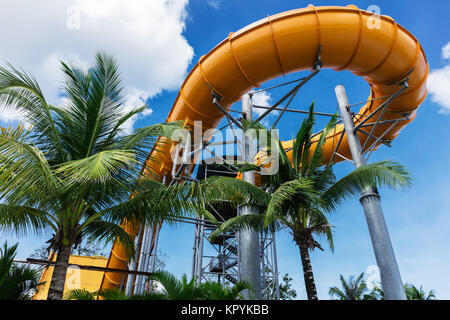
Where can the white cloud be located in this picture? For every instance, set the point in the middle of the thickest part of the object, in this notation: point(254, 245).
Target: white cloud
point(262, 99)
point(215, 4)
point(146, 37)
point(446, 51)
point(438, 83)
point(135, 99)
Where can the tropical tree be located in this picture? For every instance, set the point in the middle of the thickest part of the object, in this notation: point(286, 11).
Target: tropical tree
point(353, 289)
point(73, 170)
point(173, 289)
point(411, 291)
point(414, 293)
point(286, 290)
point(303, 191)
point(16, 283)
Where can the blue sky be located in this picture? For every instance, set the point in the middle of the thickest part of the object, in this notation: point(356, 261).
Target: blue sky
point(418, 217)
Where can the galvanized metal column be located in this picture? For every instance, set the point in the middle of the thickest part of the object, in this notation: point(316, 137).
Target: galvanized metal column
point(133, 264)
point(154, 249)
point(250, 264)
point(143, 258)
point(370, 200)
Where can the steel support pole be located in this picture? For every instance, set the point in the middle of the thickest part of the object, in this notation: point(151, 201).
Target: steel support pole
point(145, 246)
point(195, 249)
point(249, 239)
point(370, 200)
point(275, 262)
point(154, 250)
point(132, 265)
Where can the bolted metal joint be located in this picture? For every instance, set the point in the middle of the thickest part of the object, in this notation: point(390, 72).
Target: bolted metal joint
point(369, 196)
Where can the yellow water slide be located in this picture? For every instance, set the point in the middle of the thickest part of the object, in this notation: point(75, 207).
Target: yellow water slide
point(373, 47)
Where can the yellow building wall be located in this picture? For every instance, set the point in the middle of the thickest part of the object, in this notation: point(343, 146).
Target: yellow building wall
point(76, 278)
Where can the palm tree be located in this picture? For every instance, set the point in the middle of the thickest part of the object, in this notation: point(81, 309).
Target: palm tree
point(414, 293)
point(305, 190)
point(73, 170)
point(16, 283)
point(411, 291)
point(353, 289)
point(174, 289)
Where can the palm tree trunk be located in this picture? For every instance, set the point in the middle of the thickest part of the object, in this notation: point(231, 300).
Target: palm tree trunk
point(307, 272)
point(56, 290)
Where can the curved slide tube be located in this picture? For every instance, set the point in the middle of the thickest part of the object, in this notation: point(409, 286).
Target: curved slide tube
point(289, 42)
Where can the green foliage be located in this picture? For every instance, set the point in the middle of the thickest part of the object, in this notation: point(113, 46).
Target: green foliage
point(173, 289)
point(412, 293)
point(16, 282)
point(353, 289)
point(303, 192)
point(75, 165)
point(415, 293)
point(73, 171)
point(286, 290)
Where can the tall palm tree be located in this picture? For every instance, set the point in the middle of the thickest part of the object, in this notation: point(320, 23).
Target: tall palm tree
point(353, 289)
point(16, 283)
point(73, 170)
point(305, 190)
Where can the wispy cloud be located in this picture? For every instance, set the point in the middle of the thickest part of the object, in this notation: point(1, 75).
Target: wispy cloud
point(215, 4)
point(438, 83)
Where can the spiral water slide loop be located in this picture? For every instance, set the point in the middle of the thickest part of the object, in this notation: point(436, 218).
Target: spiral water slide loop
point(382, 52)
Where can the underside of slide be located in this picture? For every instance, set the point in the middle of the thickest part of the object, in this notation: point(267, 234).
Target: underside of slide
point(373, 47)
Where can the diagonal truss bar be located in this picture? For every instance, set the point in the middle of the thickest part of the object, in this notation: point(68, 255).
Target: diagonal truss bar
point(373, 145)
point(374, 137)
point(227, 114)
point(292, 91)
point(384, 105)
point(285, 107)
point(337, 146)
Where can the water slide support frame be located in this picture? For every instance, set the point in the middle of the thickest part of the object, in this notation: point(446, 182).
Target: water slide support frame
point(251, 253)
point(147, 243)
point(370, 200)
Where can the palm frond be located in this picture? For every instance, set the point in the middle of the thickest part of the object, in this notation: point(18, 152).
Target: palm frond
point(7, 255)
point(317, 157)
point(302, 140)
point(334, 291)
point(80, 294)
point(99, 230)
point(20, 91)
point(171, 284)
point(382, 173)
point(23, 167)
point(22, 219)
point(249, 221)
point(100, 167)
point(291, 195)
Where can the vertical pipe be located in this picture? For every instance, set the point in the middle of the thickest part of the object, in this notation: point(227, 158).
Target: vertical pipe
point(132, 265)
point(370, 200)
point(146, 240)
point(199, 269)
point(275, 265)
point(153, 255)
point(154, 249)
point(249, 239)
point(195, 248)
